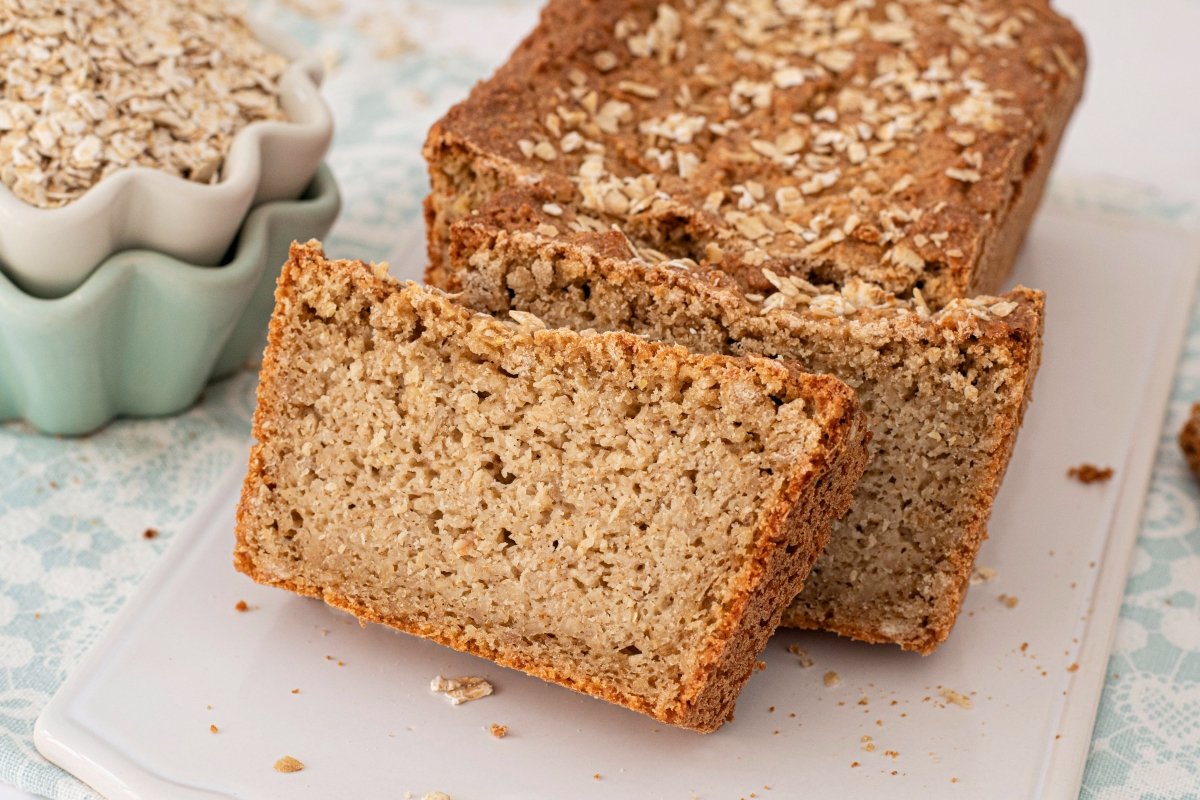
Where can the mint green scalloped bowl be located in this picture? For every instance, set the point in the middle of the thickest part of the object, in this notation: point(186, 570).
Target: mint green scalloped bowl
point(145, 332)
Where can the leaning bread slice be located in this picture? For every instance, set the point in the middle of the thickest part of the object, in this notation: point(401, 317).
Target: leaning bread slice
point(944, 391)
point(616, 515)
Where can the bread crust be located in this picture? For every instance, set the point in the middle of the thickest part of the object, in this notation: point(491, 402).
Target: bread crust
point(954, 236)
point(791, 532)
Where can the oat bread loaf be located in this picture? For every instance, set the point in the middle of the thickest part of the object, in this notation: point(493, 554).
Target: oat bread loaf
point(615, 515)
point(944, 392)
point(906, 143)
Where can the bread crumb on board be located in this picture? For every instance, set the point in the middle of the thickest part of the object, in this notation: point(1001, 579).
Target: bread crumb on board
point(241, 607)
point(1008, 600)
point(461, 690)
point(150, 533)
point(498, 730)
point(213, 729)
point(802, 657)
point(832, 679)
point(956, 698)
point(288, 764)
point(1090, 473)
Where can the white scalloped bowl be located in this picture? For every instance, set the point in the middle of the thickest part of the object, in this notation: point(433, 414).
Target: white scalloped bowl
point(50, 252)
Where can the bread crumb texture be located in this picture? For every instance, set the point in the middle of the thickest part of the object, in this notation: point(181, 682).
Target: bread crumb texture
point(617, 515)
point(497, 730)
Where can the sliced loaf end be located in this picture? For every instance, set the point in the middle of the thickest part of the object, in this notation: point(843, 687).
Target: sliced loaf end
point(615, 515)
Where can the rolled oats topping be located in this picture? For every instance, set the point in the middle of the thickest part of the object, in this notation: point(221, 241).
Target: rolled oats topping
point(831, 138)
point(794, 294)
point(89, 87)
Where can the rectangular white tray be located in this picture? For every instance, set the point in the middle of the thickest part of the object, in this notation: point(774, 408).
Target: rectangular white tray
point(133, 721)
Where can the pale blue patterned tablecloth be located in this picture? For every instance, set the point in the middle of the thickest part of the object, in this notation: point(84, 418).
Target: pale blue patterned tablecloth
point(74, 513)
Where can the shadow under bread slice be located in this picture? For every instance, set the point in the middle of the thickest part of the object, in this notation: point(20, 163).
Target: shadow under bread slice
point(944, 391)
point(619, 516)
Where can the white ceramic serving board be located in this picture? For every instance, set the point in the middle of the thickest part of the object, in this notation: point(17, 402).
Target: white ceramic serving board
point(133, 720)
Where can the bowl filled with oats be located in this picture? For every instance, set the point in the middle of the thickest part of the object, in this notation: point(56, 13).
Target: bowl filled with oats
point(141, 124)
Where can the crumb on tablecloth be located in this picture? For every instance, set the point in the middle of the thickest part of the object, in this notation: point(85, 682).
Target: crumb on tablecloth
point(498, 730)
point(213, 729)
point(832, 678)
point(241, 606)
point(1008, 600)
point(150, 533)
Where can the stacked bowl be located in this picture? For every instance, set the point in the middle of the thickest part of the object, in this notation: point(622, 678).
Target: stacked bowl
point(127, 300)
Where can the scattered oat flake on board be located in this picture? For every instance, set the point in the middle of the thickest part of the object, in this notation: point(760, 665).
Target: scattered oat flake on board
point(498, 730)
point(832, 679)
point(461, 690)
point(288, 764)
point(802, 657)
point(1090, 473)
point(957, 698)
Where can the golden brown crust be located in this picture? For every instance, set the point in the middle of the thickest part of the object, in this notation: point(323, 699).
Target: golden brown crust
point(934, 193)
point(790, 534)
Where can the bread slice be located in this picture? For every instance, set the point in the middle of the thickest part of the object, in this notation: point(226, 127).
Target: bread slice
point(905, 143)
point(615, 515)
point(944, 392)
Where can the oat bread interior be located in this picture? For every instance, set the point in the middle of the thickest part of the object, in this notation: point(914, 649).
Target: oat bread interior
point(944, 392)
point(906, 143)
point(616, 515)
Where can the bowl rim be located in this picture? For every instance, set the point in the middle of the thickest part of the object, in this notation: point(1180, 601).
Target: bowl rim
point(322, 195)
